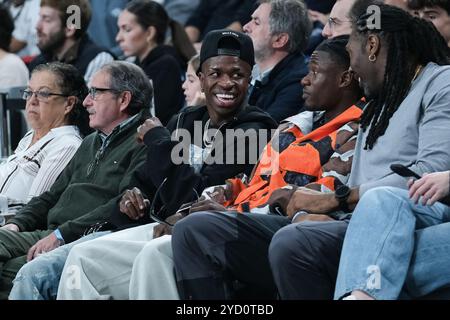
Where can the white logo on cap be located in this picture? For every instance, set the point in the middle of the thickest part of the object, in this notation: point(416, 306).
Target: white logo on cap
point(228, 33)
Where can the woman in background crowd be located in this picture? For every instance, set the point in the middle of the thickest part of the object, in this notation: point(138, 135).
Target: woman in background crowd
point(191, 86)
point(13, 72)
point(142, 32)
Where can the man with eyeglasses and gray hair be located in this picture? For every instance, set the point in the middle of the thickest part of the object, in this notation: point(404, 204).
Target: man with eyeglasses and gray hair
point(92, 183)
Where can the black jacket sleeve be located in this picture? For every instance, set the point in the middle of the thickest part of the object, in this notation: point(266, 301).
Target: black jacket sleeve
point(181, 178)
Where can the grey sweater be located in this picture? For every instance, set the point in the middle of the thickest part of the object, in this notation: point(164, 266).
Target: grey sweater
point(418, 135)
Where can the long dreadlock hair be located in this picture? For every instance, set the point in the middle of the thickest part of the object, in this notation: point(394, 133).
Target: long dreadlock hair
point(411, 42)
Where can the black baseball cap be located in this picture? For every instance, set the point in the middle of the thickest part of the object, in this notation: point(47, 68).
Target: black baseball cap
point(227, 43)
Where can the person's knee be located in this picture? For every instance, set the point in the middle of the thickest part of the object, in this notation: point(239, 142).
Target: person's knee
point(28, 271)
point(382, 195)
point(195, 223)
point(381, 203)
point(30, 277)
point(40, 266)
point(287, 243)
point(79, 251)
point(156, 248)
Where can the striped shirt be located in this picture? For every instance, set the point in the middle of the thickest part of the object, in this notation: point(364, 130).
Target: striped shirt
point(32, 170)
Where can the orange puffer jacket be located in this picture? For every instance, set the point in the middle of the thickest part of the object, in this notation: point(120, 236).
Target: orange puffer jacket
point(320, 159)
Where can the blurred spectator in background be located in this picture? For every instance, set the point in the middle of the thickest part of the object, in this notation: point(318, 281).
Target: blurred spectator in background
point(191, 86)
point(103, 27)
point(13, 72)
point(319, 12)
point(218, 14)
point(435, 11)
point(60, 39)
point(142, 30)
point(338, 23)
point(25, 14)
point(180, 10)
point(322, 6)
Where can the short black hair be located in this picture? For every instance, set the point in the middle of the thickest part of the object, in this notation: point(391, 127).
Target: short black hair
point(6, 28)
point(420, 4)
point(336, 48)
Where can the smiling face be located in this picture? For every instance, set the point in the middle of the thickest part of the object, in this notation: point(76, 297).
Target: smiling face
point(49, 114)
point(323, 73)
point(224, 80)
point(132, 38)
point(369, 74)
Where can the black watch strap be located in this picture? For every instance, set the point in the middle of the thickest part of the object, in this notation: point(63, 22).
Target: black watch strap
point(342, 193)
point(343, 205)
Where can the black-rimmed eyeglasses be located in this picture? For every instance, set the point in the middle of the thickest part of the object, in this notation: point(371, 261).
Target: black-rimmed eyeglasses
point(156, 216)
point(94, 90)
point(42, 95)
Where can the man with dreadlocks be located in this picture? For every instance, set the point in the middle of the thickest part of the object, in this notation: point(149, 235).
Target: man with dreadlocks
point(402, 69)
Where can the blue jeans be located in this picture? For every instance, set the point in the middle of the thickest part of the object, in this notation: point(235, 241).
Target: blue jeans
point(394, 247)
point(39, 278)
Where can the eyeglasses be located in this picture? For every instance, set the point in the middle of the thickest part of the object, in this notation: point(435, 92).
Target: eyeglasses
point(94, 90)
point(156, 216)
point(41, 95)
point(333, 22)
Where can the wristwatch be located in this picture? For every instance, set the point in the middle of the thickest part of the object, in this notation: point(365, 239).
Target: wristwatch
point(59, 236)
point(341, 193)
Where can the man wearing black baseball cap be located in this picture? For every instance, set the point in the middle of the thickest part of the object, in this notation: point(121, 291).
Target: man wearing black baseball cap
point(227, 58)
point(226, 61)
point(227, 43)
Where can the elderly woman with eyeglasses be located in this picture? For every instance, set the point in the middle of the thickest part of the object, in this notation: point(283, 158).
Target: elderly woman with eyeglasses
point(58, 120)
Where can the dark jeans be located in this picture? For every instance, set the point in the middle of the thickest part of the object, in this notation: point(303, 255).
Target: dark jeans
point(225, 255)
point(304, 258)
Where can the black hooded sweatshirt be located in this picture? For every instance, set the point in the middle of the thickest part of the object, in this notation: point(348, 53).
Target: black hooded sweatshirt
point(181, 179)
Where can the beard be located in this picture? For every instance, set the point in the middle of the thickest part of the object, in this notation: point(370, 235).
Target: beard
point(369, 93)
point(54, 42)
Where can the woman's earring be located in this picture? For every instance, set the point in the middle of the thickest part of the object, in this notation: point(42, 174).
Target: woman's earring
point(372, 58)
